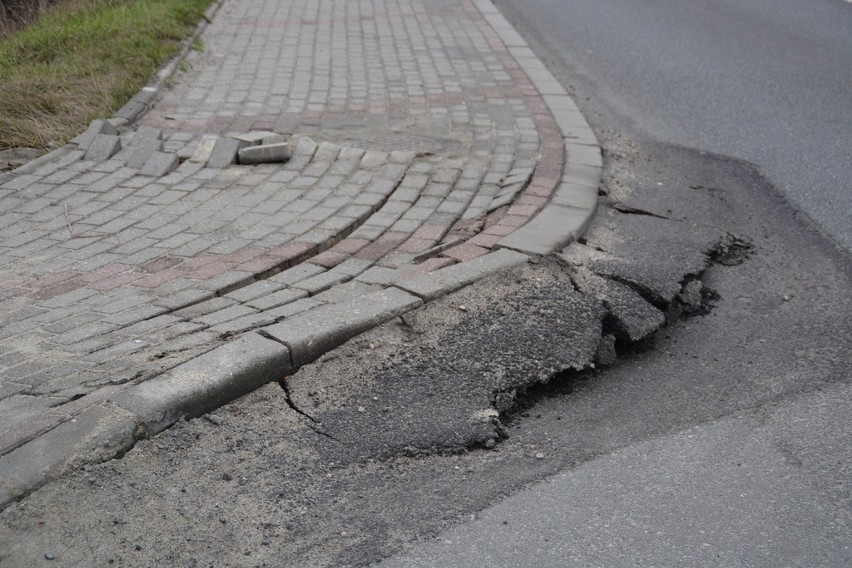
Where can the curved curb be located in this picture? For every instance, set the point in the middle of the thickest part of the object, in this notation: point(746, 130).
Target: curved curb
point(572, 205)
point(110, 428)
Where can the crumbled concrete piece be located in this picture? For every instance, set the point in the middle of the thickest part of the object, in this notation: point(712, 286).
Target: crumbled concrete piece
point(265, 154)
point(103, 147)
point(159, 164)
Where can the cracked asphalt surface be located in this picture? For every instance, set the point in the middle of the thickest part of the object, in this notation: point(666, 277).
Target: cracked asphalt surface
point(396, 440)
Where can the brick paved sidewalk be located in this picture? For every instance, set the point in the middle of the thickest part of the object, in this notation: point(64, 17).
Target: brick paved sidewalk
point(419, 143)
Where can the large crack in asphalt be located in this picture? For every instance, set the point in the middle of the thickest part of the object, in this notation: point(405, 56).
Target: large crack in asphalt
point(414, 405)
point(445, 378)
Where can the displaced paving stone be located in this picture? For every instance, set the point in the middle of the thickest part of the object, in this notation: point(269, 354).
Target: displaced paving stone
point(255, 137)
point(159, 164)
point(204, 149)
point(310, 334)
point(103, 147)
point(224, 152)
point(96, 127)
point(269, 153)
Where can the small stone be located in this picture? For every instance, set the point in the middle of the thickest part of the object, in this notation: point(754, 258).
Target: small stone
point(213, 419)
point(362, 409)
point(539, 456)
point(463, 308)
point(49, 556)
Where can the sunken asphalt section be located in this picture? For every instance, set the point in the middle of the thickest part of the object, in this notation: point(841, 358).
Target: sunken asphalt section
point(148, 278)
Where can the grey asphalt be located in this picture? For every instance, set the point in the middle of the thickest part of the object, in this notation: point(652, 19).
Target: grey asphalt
point(688, 499)
point(764, 81)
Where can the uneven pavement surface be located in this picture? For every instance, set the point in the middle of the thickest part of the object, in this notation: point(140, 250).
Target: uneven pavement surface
point(425, 137)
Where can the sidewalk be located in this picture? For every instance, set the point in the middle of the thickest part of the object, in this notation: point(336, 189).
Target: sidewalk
point(145, 277)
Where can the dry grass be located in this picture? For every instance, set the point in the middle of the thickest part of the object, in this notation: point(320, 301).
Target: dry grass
point(83, 60)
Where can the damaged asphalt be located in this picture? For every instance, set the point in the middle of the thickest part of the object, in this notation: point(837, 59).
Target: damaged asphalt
point(421, 423)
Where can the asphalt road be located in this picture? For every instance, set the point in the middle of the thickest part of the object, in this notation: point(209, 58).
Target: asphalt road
point(765, 81)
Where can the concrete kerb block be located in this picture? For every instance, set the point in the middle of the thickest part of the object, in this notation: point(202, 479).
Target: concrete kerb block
point(311, 334)
point(581, 135)
point(451, 278)
point(206, 382)
point(99, 433)
point(579, 174)
point(576, 195)
point(583, 155)
point(553, 228)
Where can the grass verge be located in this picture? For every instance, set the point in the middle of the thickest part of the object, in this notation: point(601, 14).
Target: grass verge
point(83, 60)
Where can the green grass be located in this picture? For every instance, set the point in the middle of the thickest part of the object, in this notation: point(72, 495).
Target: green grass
point(83, 60)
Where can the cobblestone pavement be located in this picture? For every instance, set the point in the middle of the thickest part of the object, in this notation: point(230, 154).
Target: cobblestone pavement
point(418, 142)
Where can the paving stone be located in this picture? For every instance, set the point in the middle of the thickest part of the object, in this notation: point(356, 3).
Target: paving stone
point(253, 138)
point(96, 127)
point(224, 152)
point(346, 292)
point(103, 147)
point(264, 154)
point(159, 164)
point(278, 298)
point(204, 149)
point(310, 334)
point(297, 273)
point(228, 314)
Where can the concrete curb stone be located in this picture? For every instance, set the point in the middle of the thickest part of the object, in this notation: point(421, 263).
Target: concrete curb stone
point(206, 382)
point(451, 278)
point(574, 201)
point(99, 433)
point(312, 333)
